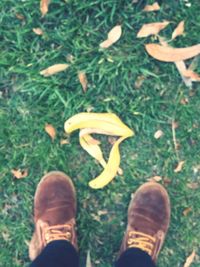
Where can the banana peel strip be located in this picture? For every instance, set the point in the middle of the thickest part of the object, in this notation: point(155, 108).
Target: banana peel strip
point(101, 123)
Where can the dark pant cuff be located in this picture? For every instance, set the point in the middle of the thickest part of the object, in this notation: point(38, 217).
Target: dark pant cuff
point(59, 253)
point(134, 257)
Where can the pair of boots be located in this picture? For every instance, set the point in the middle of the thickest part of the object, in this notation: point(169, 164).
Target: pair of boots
point(55, 212)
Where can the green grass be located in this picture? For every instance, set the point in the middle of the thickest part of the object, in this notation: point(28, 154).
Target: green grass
point(28, 101)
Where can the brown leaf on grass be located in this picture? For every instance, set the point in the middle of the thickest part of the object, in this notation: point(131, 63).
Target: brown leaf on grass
point(38, 31)
point(44, 7)
point(187, 211)
point(50, 130)
point(151, 29)
point(139, 81)
point(64, 142)
point(179, 167)
point(179, 30)
point(112, 140)
point(154, 7)
point(83, 80)
point(158, 134)
point(175, 124)
point(169, 54)
point(155, 179)
point(19, 174)
point(20, 16)
point(113, 36)
point(184, 101)
point(53, 69)
point(120, 171)
point(190, 259)
point(193, 185)
point(105, 44)
point(192, 75)
point(181, 67)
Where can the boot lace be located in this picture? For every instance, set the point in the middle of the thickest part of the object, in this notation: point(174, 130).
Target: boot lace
point(142, 241)
point(58, 232)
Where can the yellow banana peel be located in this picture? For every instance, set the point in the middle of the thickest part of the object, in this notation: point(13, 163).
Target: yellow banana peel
point(101, 123)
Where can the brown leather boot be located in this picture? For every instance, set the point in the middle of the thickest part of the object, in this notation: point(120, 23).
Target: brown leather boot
point(54, 212)
point(148, 219)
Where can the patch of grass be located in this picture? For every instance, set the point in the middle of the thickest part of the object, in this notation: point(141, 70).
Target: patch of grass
point(28, 101)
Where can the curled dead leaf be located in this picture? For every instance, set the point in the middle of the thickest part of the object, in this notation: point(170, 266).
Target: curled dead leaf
point(184, 101)
point(181, 67)
point(154, 7)
point(175, 124)
point(64, 142)
point(158, 134)
point(54, 69)
point(192, 75)
point(50, 130)
point(190, 259)
point(19, 174)
point(106, 44)
point(20, 16)
point(187, 211)
point(169, 54)
point(151, 29)
point(193, 185)
point(83, 80)
point(120, 171)
point(155, 179)
point(112, 140)
point(113, 36)
point(179, 30)
point(38, 31)
point(139, 81)
point(44, 6)
point(179, 167)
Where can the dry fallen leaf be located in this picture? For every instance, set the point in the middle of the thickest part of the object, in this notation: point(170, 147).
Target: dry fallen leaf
point(105, 44)
point(20, 173)
point(187, 211)
point(175, 124)
point(193, 185)
point(184, 101)
point(64, 142)
point(179, 167)
point(155, 179)
point(158, 134)
point(179, 30)
point(154, 7)
point(112, 140)
point(139, 81)
point(83, 80)
point(113, 36)
point(169, 54)
point(151, 28)
point(44, 7)
point(190, 259)
point(38, 31)
point(53, 69)
point(20, 16)
point(181, 67)
point(50, 130)
point(192, 75)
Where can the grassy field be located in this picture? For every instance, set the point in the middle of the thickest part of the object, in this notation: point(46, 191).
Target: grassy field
point(28, 101)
